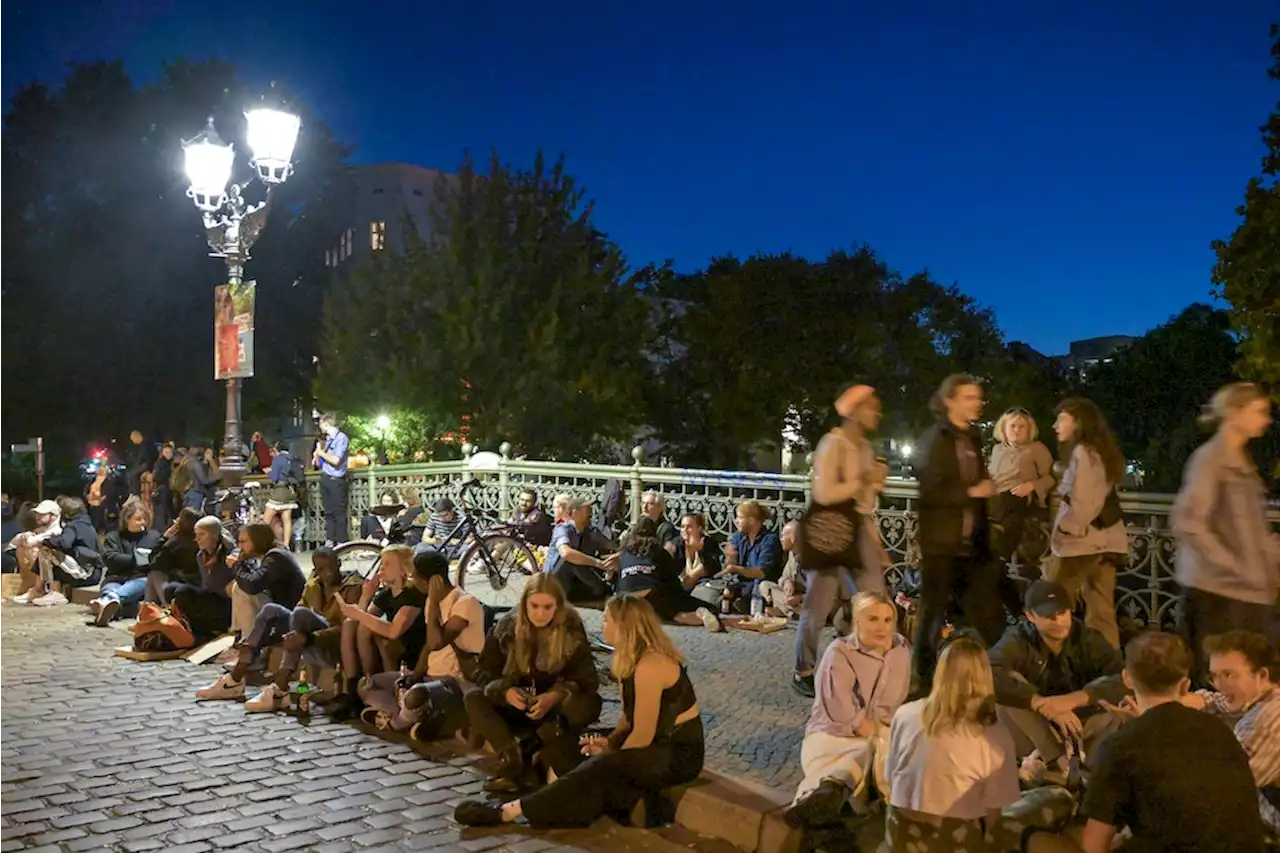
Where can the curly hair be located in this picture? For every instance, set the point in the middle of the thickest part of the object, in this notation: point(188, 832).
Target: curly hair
point(1093, 432)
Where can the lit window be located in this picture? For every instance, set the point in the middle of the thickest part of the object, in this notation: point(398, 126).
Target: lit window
point(349, 242)
point(377, 235)
point(328, 257)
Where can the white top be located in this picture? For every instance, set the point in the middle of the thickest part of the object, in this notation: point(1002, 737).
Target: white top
point(444, 662)
point(957, 775)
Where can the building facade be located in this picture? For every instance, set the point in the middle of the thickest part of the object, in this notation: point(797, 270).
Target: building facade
point(385, 201)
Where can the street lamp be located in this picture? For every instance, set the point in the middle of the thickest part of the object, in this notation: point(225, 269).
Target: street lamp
point(231, 223)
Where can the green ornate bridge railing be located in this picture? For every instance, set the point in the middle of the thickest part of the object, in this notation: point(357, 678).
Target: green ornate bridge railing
point(1146, 590)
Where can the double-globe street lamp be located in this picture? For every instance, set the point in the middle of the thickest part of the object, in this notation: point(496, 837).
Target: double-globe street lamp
point(231, 223)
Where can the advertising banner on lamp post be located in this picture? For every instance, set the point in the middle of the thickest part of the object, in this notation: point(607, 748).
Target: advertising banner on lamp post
point(233, 330)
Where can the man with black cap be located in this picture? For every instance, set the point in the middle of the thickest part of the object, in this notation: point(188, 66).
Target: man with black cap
point(1051, 671)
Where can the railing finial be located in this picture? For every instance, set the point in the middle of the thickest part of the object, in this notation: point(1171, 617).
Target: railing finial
point(637, 453)
point(505, 449)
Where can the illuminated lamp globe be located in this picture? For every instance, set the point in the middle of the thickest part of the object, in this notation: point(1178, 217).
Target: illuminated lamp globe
point(272, 135)
point(207, 162)
point(383, 422)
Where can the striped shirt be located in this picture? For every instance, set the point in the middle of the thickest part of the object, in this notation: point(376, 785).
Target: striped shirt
point(1258, 731)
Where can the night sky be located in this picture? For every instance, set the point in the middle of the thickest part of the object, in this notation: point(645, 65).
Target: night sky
point(1065, 164)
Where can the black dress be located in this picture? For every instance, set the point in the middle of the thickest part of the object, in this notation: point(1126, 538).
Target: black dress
point(612, 783)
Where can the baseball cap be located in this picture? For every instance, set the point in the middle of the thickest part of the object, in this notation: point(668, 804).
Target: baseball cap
point(47, 507)
point(1046, 598)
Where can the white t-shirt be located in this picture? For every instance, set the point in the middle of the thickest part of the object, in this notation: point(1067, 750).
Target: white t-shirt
point(444, 662)
point(958, 775)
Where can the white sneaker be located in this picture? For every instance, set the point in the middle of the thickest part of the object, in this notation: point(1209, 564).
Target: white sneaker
point(709, 620)
point(25, 598)
point(224, 688)
point(49, 599)
point(95, 606)
point(271, 698)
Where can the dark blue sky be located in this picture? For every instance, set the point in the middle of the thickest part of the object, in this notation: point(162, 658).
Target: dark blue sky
point(1065, 164)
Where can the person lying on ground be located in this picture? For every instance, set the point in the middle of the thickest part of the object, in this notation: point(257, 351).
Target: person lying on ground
point(658, 742)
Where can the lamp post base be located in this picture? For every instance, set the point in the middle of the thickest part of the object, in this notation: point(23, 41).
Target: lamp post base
point(231, 462)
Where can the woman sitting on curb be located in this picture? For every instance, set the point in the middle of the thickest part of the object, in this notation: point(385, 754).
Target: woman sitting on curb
point(127, 553)
point(536, 674)
point(658, 742)
point(861, 682)
point(204, 601)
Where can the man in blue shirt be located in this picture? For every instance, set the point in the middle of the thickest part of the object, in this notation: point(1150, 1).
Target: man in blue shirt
point(584, 578)
point(330, 458)
point(753, 554)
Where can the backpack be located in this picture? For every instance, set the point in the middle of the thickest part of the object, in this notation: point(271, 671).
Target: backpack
point(297, 475)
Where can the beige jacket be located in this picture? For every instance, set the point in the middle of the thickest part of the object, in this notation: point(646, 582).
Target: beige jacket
point(1084, 490)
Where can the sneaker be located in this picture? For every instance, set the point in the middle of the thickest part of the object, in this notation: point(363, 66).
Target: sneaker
point(24, 598)
point(49, 599)
point(373, 717)
point(225, 687)
point(271, 698)
point(95, 606)
point(709, 620)
point(476, 813)
point(803, 684)
point(820, 807)
point(107, 612)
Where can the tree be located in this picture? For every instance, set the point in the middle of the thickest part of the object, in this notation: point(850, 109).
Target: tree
point(770, 341)
point(107, 283)
point(517, 315)
point(1247, 273)
point(1151, 391)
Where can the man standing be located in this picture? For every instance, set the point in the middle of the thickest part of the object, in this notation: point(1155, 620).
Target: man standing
point(1051, 674)
point(330, 458)
point(138, 458)
point(952, 530)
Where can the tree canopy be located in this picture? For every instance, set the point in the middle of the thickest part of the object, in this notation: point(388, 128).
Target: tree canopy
point(515, 312)
point(1247, 272)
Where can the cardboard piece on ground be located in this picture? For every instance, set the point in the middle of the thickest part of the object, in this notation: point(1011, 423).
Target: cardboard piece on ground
point(211, 649)
point(130, 653)
point(762, 625)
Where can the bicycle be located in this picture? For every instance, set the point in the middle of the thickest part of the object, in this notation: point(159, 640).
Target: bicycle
point(494, 567)
point(233, 506)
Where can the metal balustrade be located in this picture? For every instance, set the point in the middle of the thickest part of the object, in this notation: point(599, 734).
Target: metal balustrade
point(1146, 591)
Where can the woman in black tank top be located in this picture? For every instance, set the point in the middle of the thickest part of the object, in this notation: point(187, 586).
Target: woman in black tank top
point(657, 744)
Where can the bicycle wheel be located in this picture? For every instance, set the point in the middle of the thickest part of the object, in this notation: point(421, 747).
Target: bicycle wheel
point(495, 568)
point(362, 557)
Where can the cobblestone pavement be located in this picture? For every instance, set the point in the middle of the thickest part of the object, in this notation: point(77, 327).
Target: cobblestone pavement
point(100, 753)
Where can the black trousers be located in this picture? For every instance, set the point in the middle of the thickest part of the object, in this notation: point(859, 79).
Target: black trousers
point(501, 725)
point(581, 583)
point(162, 506)
point(1206, 614)
point(208, 612)
point(612, 783)
point(333, 502)
point(974, 585)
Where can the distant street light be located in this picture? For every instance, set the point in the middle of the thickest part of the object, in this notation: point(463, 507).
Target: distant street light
point(232, 225)
point(383, 422)
point(906, 451)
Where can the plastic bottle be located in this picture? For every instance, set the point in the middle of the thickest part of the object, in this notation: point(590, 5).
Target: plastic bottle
point(757, 603)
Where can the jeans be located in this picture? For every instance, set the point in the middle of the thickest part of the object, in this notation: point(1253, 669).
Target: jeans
point(613, 782)
point(128, 593)
point(1031, 731)
point(275, 620)
point(333, 501)
point(821, 593)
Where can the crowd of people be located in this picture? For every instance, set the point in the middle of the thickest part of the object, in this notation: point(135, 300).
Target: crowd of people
point(1000, 691)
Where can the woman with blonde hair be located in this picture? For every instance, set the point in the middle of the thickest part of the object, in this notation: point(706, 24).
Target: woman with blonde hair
point(535, 674)
point(1228, 558)
point(861, 682)
point(1021, 467)
point(657, 743)
point(951, 765)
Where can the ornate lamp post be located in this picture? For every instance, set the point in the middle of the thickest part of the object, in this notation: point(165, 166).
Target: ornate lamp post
point(231, 223)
